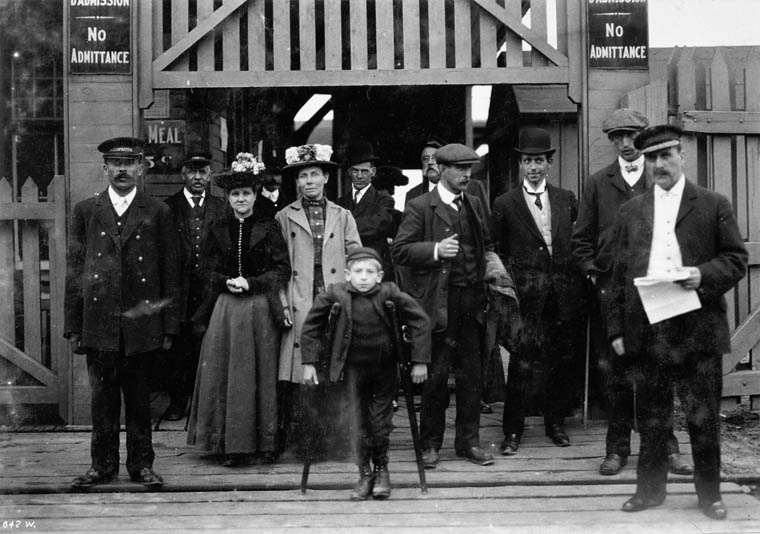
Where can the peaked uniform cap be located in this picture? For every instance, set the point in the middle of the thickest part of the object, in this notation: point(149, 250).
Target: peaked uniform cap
point(625, 119)
point(657, 138)
point(122, 148)
point(200, 158)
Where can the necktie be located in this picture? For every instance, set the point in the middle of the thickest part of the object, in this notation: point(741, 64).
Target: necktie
point(538, 203)
point(356, 196)
point(631, 168)
point(121, 206)
point(458, 202)
point(196, 200)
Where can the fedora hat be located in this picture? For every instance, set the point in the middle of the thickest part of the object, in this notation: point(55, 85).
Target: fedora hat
point(359, 152)
point(535, 141)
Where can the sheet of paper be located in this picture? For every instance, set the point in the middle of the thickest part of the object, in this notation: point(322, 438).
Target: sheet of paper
point(663, 298)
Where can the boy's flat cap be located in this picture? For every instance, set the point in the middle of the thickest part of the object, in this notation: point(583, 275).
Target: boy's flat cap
point(625, 119)
point(363, 253)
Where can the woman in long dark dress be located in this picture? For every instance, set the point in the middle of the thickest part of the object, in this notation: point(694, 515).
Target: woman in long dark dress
point(234, 409)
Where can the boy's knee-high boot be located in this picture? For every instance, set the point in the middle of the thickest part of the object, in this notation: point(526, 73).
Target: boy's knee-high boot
point(363, 488)
point(382, 487)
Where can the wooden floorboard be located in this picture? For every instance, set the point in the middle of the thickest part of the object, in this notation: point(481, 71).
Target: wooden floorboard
point(543, 489)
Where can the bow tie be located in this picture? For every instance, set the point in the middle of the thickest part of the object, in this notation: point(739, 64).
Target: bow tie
point(631, 168)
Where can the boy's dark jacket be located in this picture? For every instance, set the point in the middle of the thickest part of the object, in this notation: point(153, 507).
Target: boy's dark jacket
point(313, 332)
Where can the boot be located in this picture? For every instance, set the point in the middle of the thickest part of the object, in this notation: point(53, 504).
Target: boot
point(382, 489)
point(363, 488)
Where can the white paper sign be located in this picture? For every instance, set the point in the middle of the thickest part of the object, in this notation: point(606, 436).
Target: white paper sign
point(663, 298)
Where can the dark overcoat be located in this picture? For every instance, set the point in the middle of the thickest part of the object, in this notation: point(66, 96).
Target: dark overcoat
point(709, 239)
point(122, 286)
point(313, 338)
point(374, 220)
point(214, 211)
point(536, 273)
point(593, 236)
point(426, 222)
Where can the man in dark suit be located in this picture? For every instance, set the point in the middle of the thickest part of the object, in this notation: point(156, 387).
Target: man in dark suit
point(445, 243)
point(121, 303)
point(372, 210)
point(431, 175)
point(604, 193)
point(271, 199)
point(532, 225)
point(686, 235)
point(194, 212)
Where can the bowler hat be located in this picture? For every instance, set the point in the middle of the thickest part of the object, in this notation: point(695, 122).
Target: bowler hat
point(534, 141)
point(359, 152)
point(434, 142)
point(122, 148)
point(625, 119)
point(456, 154)
point(657, 138)
point(313, 155)
point(363, 253)
point(199, 158)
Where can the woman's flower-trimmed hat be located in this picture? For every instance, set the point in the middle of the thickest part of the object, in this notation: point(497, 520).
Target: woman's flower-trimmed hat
point(312, 155)
point(245, 171)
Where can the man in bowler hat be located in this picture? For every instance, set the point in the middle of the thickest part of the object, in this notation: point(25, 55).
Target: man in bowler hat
point(532, 224)
point(605, 191)
point(681, 232)
point(194, 212)
point(445, 243)
point(122, 295)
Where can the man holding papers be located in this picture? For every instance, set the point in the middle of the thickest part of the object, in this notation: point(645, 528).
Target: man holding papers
point(676, 234)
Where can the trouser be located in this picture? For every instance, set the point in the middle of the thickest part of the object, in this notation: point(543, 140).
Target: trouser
point(698, 382)
point(553, 344)
point(111, 374)
point(368, 396)
point(183, 364)
point(461, 345)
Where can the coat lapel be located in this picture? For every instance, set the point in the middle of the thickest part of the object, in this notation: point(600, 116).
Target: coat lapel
point(523, 213)
point(367, 200)
point(104, 212)
point(687, 201)
point(135, 215)
point(331, 218)
point(297, 214)
point(439, 208)
point(258, 232)
point(554, 205)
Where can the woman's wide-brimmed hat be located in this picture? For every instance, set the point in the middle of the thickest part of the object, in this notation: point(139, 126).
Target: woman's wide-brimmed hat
point(245, 171)
point(313, 155)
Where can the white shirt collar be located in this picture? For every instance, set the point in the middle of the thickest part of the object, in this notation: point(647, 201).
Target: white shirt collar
point(359, 193)
point(271, 195)
point(639, 162)
point(189, 197)
point(675, 191)
point(540, 188)
point(431, 186)
point(118, 200)
point(446, 195)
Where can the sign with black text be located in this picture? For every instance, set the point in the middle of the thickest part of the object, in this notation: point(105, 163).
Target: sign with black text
point(99, 37)
point(164, 145)
point(618, 34)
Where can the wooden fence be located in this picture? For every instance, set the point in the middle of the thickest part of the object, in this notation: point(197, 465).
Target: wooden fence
point(714, 94)
point(34, 357)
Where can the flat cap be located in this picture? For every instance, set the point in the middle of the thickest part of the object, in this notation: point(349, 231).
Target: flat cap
point(122, 148)
point(363, 253)
point(657, 138)
point(199, 158)
point(625, 119)
point(456, 154)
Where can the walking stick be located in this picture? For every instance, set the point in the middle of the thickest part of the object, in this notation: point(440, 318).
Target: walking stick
point(586, 381)
point(406, 366)
point(324, 358)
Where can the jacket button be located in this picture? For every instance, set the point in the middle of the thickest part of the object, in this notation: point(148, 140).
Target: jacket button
point(96, 276)
point(137, 237)
point(332, 235)
point(147, 302)
point(94, 299)
point(100, 254)
point(102, 234)
point(142, 280)
point(295, 309)
point(332, 270)
point(295, 273)
point(540, 248)
point(292, 234)
point(139, 258)
point(296, 345)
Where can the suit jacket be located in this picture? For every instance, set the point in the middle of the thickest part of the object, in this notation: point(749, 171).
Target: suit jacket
point(374, 221)
point(536, 272)
point(593, 240)
point(122, 287)
point(426, 222)
point(709, 239)
point(474, 188)
point(214, 211)
point(268, 208)
point(340, 237)
point(313, 338)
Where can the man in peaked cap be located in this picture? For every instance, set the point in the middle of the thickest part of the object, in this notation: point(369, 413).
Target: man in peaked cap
point(372, 210)
point(121, 303)
point(603, 194)
point(194, 212)
point(682, 232)
point(444, 241)
point(532, 225)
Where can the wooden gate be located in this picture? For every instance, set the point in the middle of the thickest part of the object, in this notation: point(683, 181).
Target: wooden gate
point(34, 357)
point(714, 94)
point(258, 43)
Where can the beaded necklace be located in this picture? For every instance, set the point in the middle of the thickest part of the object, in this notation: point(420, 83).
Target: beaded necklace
point(240, 247)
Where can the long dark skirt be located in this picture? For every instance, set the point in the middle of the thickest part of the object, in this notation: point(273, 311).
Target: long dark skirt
point(234, 407)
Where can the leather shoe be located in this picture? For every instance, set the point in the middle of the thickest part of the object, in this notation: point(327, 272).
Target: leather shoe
point(174, 412)
point(509, 445)
point(364, 486)
point(91, 478)
point(148, 478)
point(714, 510)
point(382, 488)
point(678, 466)
point(612, 464)
point(430, 458)
point(637, 503)
point(558, 435)
point(476, 455)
